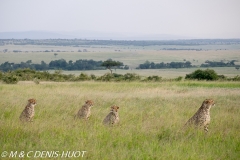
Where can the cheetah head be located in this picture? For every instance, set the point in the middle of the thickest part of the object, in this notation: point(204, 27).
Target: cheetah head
point(114, 108)
point(208, 103)
point(89, 103)
point(32, 102)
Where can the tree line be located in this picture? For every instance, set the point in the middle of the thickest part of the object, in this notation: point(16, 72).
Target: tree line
point(219, 64)
point(162, 65)
point(61, 64)
point(187, 64)
point(12, 77)
point(83, 64)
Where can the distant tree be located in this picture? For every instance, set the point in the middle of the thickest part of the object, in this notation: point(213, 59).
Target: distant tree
point(29, 61)
point(55, 54)
point(110, 63)
point(145, 65)
point(218, 64)
point(44, 66)
point(188, 64)
point(199, 74)
point(58, 64)
point(232, 62)
point(152, 65)
point(126, 67)
point(70, 62)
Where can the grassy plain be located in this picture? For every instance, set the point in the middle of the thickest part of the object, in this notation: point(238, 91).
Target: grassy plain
point(129, 55)
point(151, 119)
point(164, 73)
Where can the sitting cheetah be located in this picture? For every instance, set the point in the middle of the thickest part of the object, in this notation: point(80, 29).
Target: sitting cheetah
point(85, 111)
point(202, 117)
point(28, 113)
point(112, 117)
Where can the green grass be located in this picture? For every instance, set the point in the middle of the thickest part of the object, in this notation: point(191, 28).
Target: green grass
point(152, 116)
point(210, 84)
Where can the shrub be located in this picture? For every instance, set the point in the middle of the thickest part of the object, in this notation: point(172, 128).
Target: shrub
point(106, 77)
point(119, 77)
point(10, 78)
point(236, 78)
point(178, 78)
point(93, 77)
point(83, 77)
point(1, 74)
point(153, 78)
point(131, 77)
point(199, 74)
point(222, 77)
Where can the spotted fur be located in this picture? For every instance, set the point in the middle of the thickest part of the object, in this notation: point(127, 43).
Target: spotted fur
point(202, 117)
point(28, 113)
point(85, 111)
point(113, 117)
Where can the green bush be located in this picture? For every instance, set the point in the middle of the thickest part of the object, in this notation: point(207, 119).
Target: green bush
point(83, 77)
point(131, 77)
point(178, 78)
point(10, 78)
point(199, 74)
point(1, 74)
point(37, 76)
point(106, 77)
point(236, 78)
point(93, 77)
point(119, 77)
point(222, 77)
point(153, 78)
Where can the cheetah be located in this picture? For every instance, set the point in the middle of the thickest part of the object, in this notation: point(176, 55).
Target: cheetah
point(28, 113)
point(202, 117)
point(85, 111)
point(112, 118)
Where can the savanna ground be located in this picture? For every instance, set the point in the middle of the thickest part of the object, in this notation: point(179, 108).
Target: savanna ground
point(129, 55)
point(152, 116)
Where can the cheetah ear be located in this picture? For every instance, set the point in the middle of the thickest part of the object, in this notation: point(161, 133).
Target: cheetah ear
point(117, 107)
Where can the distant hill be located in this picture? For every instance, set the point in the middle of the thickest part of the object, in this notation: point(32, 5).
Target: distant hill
point(86, 35)
point(32, 35)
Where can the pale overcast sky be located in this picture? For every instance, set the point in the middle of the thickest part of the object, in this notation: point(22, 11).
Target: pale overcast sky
point(193, 18)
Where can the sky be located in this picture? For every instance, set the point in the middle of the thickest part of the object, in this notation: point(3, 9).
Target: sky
point(186, 18)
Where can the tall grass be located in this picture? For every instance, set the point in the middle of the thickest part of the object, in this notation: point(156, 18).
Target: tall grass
point(152, 116)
